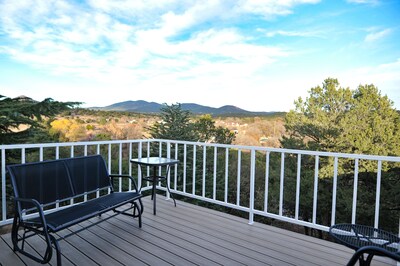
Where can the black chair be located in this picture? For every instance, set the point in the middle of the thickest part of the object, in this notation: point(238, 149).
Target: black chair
point(371, 251)
point(366, 240)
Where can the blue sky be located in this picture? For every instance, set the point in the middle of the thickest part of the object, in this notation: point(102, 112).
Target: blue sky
point(259, 55)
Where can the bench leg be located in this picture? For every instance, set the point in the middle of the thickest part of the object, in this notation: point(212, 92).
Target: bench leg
point(58, 250)
point(30, 232)
point(136, 212)
point(139, 215)
point(14, 233)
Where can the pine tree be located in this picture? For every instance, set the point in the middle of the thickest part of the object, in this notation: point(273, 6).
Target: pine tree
point(21, 118)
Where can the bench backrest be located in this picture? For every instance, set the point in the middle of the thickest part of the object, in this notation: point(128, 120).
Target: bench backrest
point(57, 180)
point(88, 173)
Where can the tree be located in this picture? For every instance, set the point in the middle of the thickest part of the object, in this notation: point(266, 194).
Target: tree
point(22, 117)
point(68, 130)
point(208, 132)
point(360, 121)
point(176, 124)
point(371, 125)
point(314, 123)
point(338, 119)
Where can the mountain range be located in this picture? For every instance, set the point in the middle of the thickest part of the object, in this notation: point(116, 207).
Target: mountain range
point(141, 106)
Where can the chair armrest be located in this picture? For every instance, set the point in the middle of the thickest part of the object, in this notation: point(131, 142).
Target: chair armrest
point(112, 176)
point(373, 250)
point(37, 206)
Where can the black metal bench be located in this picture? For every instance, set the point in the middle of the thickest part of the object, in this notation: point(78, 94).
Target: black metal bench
point(42, 185)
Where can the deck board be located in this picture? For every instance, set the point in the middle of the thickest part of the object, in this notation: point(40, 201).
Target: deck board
point(283, 243)
point(7, 255)
point(186, 235)
point(232, 241)
point(161, 243)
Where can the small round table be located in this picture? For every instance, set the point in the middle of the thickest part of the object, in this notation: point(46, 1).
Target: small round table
point(155, 162)
point(366, 240)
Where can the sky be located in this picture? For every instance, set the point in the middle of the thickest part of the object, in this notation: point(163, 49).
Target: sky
point(259, 55)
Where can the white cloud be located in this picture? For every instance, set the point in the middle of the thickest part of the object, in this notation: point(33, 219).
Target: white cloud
point(377, 35)
point(271, 8)
point(295, 33)
point(91, 43)
point(173, 22)
point(368, 2)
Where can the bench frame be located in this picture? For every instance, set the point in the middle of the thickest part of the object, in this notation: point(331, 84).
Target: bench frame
point(64, 169)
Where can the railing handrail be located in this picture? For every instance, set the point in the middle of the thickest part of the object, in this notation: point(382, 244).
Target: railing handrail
point(285, 150)
point(244, 147)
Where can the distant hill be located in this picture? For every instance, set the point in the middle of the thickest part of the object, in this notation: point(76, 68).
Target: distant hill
point(132, 106)
point(153, 107)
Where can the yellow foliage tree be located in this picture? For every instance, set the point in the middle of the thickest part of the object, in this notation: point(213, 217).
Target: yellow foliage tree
point(68, 130)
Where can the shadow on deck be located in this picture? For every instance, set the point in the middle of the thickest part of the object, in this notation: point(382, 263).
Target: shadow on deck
point(188, 235)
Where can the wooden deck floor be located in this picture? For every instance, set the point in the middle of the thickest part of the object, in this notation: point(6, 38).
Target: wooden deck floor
point(187, 235)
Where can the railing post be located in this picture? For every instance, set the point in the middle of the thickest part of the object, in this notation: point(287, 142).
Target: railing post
point(194, 171)
point(335, 176)
point(215, 174)
point(315, 195)
point(120, 166)
point(139, 177)
point(97, 151)
point(3, 185)
point(238, 177)
point(85, 154)
point(23, 156)
point(252, 183)
point(41, 154)
point(184, 167)
point(296, 215)
point(203, 192)
point(226, 175)
point(378, 194)
point(281, 183)
point(355, 189)
point(266, 187)
point(130, 166)
point(176, 167)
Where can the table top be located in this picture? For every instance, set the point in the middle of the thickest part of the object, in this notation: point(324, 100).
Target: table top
point(154, 161)
point(356, 236)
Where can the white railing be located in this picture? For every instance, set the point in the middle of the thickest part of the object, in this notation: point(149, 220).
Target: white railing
point(301, 187)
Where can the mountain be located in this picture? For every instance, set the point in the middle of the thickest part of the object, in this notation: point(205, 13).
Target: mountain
point(201, 109)
point(133, 106)
point(153, 107)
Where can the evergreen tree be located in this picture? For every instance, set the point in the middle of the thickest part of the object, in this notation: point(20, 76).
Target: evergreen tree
point(21, 118)
point(338, 119)
point(360, 121)
point(208, 132)
point(176, 124)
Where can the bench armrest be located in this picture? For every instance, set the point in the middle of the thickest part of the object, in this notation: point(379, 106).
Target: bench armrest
point(112, 176)
point(37, 206)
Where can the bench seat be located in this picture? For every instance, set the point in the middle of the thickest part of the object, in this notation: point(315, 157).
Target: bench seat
point(69, 216)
